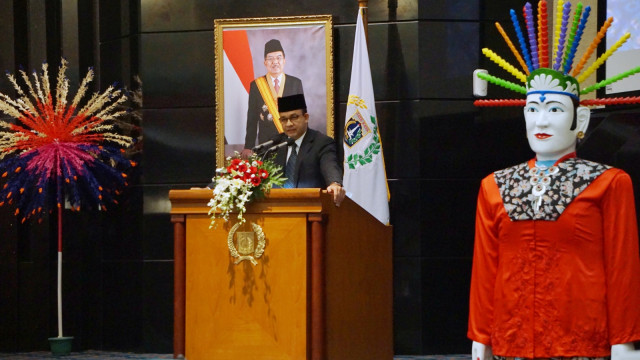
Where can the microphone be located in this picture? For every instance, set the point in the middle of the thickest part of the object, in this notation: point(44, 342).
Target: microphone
point(276, 139)
point(288, 142)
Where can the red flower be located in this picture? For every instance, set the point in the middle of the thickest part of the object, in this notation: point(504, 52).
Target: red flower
point(263, 174)
point(253, 170)
point(235, 162)
point(242, 167)
point(255, 180)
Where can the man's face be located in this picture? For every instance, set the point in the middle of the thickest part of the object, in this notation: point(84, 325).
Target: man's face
point(294, 123)
point(548, 119)
point(274, 62)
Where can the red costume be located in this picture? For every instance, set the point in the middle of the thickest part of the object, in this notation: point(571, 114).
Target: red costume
point(562, 279)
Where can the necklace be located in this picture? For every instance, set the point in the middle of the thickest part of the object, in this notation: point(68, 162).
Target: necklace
point(540, 181)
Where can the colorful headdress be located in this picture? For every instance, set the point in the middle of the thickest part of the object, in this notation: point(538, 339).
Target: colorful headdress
point(554, 74)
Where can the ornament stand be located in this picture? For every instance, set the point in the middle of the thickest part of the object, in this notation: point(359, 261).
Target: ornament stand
point(60, 345)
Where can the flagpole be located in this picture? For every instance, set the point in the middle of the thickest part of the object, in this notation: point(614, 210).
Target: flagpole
point(363, 4)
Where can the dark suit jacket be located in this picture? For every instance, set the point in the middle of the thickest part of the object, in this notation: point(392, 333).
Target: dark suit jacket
point(317, 165)
point(258, 122)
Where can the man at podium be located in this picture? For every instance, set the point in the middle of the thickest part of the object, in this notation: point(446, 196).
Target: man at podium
point(311, 160)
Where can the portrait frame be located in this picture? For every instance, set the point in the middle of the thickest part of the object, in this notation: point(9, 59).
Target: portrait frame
point(307, 42)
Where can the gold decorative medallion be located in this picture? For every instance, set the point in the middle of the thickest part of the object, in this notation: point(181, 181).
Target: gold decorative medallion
point(246, 243)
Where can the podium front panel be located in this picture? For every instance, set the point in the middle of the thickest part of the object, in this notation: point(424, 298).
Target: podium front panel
point(242, 311)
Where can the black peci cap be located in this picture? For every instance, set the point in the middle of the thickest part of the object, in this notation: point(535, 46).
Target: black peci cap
point(272, 45)
point(292, 102)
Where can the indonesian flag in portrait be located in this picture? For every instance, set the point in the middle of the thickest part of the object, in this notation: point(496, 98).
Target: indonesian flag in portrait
point(238, 74)
point(365, 179)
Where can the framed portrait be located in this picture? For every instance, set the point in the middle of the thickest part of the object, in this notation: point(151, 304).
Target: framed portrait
point(258, 60)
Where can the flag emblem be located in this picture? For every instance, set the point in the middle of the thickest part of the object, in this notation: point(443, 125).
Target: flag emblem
point(355, 129)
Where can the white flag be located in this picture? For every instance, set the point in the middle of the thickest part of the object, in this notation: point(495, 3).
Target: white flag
point(364, 175)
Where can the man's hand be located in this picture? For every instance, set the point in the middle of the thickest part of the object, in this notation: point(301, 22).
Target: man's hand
point(338, 193)
point(246, 153)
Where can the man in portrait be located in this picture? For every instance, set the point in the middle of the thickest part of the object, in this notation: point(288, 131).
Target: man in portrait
point(262, 112)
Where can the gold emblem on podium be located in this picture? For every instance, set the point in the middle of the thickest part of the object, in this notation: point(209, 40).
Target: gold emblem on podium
point(247, 248)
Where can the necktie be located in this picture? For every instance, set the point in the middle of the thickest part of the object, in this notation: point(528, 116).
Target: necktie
point(276, 86)
point(290, 168)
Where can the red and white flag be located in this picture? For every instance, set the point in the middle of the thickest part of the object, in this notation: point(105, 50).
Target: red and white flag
point(238, 74)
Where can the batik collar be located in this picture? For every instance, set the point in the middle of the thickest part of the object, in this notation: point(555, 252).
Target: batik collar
point(535, 193)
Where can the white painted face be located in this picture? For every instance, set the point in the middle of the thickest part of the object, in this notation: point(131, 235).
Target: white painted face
point(548, 119)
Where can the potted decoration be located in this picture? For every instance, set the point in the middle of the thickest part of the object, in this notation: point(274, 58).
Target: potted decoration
point(58, 153)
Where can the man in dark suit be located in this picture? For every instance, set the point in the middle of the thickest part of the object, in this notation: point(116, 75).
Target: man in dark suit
point(263, 94)
point(311, 160)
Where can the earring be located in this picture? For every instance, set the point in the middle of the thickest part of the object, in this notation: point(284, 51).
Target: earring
point(580, 135)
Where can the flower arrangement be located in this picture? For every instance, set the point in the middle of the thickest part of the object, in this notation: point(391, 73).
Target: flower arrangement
point(239, 183)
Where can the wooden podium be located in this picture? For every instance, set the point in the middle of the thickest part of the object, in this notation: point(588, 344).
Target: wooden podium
point(322, 289)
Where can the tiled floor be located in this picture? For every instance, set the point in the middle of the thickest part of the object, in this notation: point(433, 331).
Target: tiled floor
point(85, 355)
point(95, 355)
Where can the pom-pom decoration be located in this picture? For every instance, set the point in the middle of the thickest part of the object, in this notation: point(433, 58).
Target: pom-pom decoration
point(543, 35)
point(612, 101)
point(501, 102)
point(504, 83)
point(571, 41)
point(611, 80)
point(574, 43)
point(603, 57)
point(504, 64)
point(523, 45)
point(512, 47)
point(566, 10)
point(531, 32)
point(54, 151)
point(556, 31)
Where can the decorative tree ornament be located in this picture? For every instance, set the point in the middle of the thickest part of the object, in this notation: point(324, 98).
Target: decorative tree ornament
point(56, 152)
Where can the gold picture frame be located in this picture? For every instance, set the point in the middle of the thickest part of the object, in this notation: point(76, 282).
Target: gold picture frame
point(307, 43)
